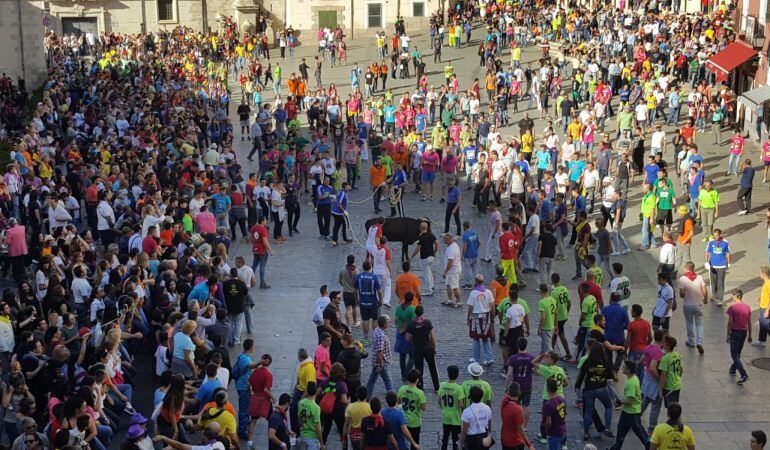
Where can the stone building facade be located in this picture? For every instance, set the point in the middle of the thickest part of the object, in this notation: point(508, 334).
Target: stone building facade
point(21, 32)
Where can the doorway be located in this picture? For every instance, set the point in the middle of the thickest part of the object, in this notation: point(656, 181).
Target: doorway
point(79, 25)
point(327, 19)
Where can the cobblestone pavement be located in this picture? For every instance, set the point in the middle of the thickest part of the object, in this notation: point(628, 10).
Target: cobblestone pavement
point(720, 413)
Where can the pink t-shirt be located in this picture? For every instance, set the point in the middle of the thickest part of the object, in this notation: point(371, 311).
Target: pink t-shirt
point(740, 313)
point(430, 162)
point(449, 164)
point(652, 353)
point(737, 145)
point(766, 151)
point(322, 361)
point(207, 223)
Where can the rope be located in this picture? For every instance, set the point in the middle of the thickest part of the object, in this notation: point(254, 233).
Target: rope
point(369, 197)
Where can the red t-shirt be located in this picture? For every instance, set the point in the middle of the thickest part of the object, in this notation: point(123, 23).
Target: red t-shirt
point(149, 245)
point(740, 313)
point(513, 416)
point(639, 330)
point(507, 246)
point(258, 232)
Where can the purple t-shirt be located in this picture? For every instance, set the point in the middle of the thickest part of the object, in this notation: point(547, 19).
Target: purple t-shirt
point(521, 366)
point(556, 409)
point(740, 313)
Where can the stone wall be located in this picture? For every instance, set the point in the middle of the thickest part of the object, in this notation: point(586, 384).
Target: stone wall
point(21, 32)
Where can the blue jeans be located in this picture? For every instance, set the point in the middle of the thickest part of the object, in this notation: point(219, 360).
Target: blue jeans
point(235, 331)
point(308, 443)
point(589, 398)
point(733, 161)
point(555, 442)
point(480, 345)
point(693, 320)
point(737, 338)
point(243, 414)
point(637, 356)
point(648, 239)
point(293, 408)
point(247, 314)
point(261, 262)
point(384, 374)
point(764, 326)
point(104, 434)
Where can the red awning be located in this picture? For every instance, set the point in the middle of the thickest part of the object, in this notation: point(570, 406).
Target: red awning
point(728, 59)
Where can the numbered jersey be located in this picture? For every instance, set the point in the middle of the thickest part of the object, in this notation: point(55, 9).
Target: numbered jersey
point(412, 400)
point(451, 397)
point(622, 286)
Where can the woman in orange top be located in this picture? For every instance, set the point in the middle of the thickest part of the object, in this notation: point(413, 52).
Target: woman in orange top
point(500, 285)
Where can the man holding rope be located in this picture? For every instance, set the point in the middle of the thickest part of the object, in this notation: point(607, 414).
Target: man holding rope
point(340, 214)
point(397, 183)
point(377, 176)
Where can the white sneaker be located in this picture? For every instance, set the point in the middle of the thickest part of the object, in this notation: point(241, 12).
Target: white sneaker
point(742, 213)
point(759, 344)
point(615, 253)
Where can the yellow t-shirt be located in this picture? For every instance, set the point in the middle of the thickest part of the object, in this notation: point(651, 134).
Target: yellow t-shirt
point(226, 420)
point(764, 298)
point(305, 373)
point(573, 130)
point(668, 438)
point(526, 143)
point(356, 412)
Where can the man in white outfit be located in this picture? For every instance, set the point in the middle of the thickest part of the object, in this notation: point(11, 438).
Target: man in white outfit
point(381, 267)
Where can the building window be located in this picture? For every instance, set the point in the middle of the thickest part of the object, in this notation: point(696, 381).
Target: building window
point(418, 9)
point(374, 15)
point(166, 10)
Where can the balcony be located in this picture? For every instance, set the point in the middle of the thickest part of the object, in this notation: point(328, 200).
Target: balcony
point(751, 30)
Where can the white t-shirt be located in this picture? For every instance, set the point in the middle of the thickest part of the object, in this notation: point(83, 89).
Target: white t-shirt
point(453, 252)
point(641, 111)
point(562, 181)
point(481, 301)
point(81, 289)
point(515, 315)
point(162, 363)
point(195, 206)
point(590, 178)
point(622, 286)
point(246, 274)
point(656, 141)
point(533, 225)
point(667, 254)
point(665, 297)
point(320, 304)
point(477, 416)
point(693, 294)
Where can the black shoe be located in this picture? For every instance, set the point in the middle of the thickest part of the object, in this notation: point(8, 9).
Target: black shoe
point(742, 380)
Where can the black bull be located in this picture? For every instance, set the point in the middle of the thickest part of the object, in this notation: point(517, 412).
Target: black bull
point(400, 229)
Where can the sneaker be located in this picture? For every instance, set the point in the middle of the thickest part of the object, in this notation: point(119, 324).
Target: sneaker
point(471, 360)
point(366, 341)
point(689, 344)
point(488, 363)
point(357, 323)
point(609, 434)
point(131, 411)
point(615, 253)
point(577, 277)
point(742, 213)
point(705, 239)
point(732, 372)
point(542, 439)
point(387, 305)
point(742, 380)
point(700, 349)
point(758, 344)
point(586, 438)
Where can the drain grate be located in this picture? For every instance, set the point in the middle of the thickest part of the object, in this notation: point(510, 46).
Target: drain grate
point(761, 363)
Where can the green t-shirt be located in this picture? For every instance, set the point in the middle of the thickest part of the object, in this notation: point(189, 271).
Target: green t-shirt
point(555, 372)
point(547, 306)
point(387, 162)
point(625, 119)
point(561, 295)
point(665, 196)
point(450, 395)
point(588, 308)
point(187, 223)
point(468, 384)
point(708, 199)
point(598, 274)
point(634, 391)
point(502, 308)
point(671, 363)
point(412, 400)
point(404, 316)
point(309, 414)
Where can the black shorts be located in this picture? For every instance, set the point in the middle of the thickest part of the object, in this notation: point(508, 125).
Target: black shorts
point(349, 298)
point(525, 398)
point(660, 322)
point(370, 312)
point(561, 325)
point(513, 339)
point(664, 216)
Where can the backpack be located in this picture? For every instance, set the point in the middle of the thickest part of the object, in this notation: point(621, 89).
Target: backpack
point(235, 372)
point(329, 398)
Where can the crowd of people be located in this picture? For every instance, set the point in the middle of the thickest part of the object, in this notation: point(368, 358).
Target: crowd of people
point(124, 194)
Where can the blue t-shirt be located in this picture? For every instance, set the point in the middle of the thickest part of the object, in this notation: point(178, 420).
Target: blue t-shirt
point(523, 166)
point(158, 397)
point(221, 203)
point(200, 292)
point(471, 240)
point(471, 154)
point(241, 368)
point(453, 196)
point(390, 113)
point(616, 323)
point(367, 285)
point(543, 159)
point(419, 122)
point(696, 184)
point(718, 251)
point(325, 194)
point(182, 342)
point(363, 131)
point(694, 158)
point(395, 418)
point(545, 210)
point(340, 200)
point(576, 169)
point(580, 203)
point(206, 391)
point(651, 173)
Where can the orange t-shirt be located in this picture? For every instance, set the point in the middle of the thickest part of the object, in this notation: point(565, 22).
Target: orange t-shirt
point(377, 177)
point(687, 231)
point(407, 282)
point(167, 238)
point(499, 290)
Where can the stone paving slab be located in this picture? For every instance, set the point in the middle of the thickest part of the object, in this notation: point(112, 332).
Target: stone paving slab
point(720, 412)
